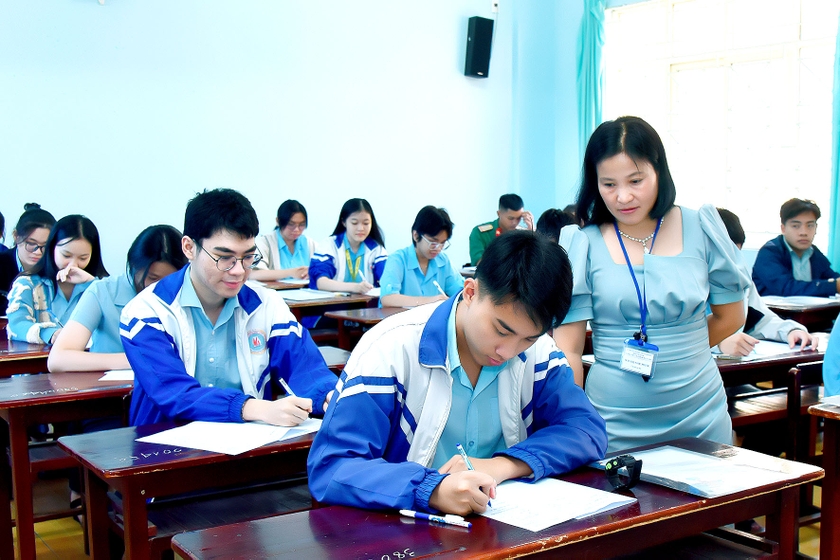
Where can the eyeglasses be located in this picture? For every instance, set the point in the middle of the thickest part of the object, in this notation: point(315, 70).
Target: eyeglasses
point(292, 226)
point(435, 245)
point(33, 247)
point(228, 262)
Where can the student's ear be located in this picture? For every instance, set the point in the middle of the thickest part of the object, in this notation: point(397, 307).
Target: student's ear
point(470, 290)
point(277, 221)
point(188, 247)
point(415, 237)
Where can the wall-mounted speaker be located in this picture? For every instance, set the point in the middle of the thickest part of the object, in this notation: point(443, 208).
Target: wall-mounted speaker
point(479, 41)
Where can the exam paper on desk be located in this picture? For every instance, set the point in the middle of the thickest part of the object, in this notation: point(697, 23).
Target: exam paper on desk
point(229, 437)
point(305, 294)
point(539, 505)
point(118, 375)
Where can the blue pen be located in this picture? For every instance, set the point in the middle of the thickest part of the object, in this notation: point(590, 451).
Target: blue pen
point(466, 459)
point(447, 519)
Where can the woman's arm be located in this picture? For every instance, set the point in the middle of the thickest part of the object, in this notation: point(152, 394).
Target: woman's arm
point(724, 321)
point(331, 285)
point(68, 352)
point(570, 339)
point(400, 300)
point(269, 275)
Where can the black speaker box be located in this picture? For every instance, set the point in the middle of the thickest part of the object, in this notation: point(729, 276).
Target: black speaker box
point(479, 41)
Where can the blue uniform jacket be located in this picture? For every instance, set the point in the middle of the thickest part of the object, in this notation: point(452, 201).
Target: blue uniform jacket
point(381, 430)
point(160, 345)
point(773, 272)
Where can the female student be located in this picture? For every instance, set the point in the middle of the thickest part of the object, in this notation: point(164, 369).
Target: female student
point(41, 301)
point(286, 251)
point(422, 273)
point(155, 253)
point(29, 236)
point(353, 258)
point(643, 272)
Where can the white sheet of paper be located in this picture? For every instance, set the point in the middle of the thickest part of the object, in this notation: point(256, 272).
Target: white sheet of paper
point(296, 281)
point(707, 476)
point(548, 502)
point(835, 400)
point(118, 375)
point(228, 437)
point(807, 301)
point(373, 292)
point(306, 294)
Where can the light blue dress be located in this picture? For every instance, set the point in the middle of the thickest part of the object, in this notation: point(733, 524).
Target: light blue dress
point(685, 397)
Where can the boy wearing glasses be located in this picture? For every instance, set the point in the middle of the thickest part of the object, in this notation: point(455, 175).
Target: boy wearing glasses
point(790, 264)
point(421, 273)
point(476, 373)
point(204, 345)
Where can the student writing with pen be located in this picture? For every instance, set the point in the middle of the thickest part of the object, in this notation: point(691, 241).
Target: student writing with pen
point(422, 273)
point(477, 369)
point(204, 345)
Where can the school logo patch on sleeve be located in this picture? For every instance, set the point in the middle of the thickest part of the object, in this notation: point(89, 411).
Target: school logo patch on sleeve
point(256, 342)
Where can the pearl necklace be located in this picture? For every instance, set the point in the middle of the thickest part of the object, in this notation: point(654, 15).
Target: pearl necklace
point(644, 241)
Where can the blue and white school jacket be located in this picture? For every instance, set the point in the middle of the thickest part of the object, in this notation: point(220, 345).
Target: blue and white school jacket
point(160, 344)
point(392, 402)
point(329, 261)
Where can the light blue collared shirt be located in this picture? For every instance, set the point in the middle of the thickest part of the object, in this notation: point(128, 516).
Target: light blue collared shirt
point(801, 265)
point(215, 364)
point(402, 275)
point(474, 420)
point(360, 256)
point(99, 311)
point(299, 258)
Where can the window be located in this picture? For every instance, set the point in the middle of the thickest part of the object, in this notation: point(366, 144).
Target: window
point(740, 92)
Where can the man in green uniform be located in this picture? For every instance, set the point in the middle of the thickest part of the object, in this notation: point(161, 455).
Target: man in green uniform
point(511, 212)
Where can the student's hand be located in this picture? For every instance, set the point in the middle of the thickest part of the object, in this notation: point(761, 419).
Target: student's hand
point(328, 399)
point(361, 287)
point(529, 220)
point(463, 493)
point(300, 272)
point(288, 411)
point(54, 336)
point(501, 467)
point(739, 344)
point(73, 275)
point(803, 338)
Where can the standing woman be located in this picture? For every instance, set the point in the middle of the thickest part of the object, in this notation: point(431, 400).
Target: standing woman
point(644, 270)
point(155, 253)
point(41, 301)
point(353, 257)
point(421, 273)
point(29, 237)
point(286, 251)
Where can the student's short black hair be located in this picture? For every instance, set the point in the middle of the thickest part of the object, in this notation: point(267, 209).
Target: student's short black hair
point(795, 206)
point(636, 138)
point(359, 205)
point(733, 226)
point(511, 202)
point(67, 229)
point(33, 217)
point(430, 221)
point(288, 209)
point(527, 268)
point(216, 210)
point(159, 243)
point(552, 221)
point(2, 227)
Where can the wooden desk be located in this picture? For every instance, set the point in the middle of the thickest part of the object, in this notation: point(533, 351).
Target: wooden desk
point(320, 306)
point(20, 357)
point(770, 368)
point(661, 515)
point(816, 316)
point(368, 317)
point(830, 507)
point(40, 399)
point(281, 285)
point(336, 358)
point(144, 470)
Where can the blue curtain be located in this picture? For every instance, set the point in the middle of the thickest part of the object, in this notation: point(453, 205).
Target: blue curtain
point(834, 226)
point(590, 75)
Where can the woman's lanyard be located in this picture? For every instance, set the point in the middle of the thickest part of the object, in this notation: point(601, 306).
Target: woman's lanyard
point(354, 271)
point(642, 334)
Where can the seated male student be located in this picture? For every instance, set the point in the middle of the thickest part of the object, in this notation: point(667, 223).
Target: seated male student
point(477, 369)
point(204, 345)
point(511, 211)
point(790, 264)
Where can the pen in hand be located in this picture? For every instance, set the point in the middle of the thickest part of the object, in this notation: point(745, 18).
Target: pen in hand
point(466, 459)
point(286, 387)
point(435, 282)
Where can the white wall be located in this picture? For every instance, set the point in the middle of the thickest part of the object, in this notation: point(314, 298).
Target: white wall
point(122, 112)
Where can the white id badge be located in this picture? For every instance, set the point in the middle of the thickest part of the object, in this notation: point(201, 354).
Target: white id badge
point(639, 358)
